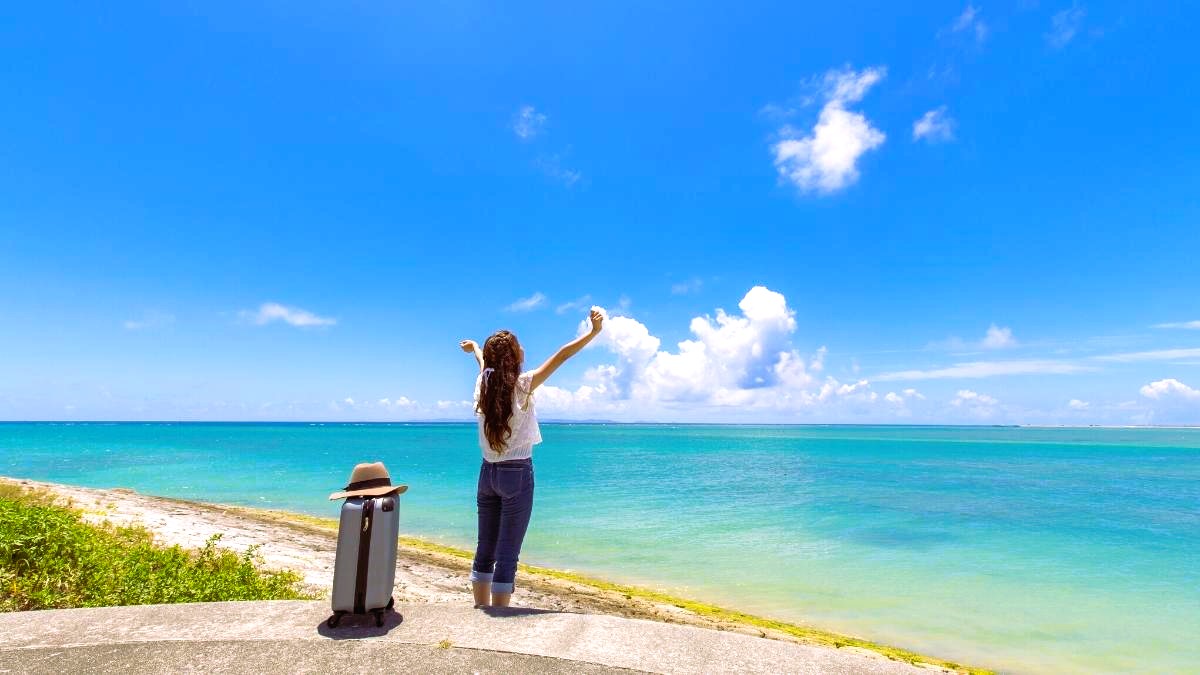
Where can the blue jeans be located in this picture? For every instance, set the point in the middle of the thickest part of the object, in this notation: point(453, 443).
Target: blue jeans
point(505, 499)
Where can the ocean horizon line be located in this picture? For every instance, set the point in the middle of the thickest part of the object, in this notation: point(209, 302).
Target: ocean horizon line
point(600, 422)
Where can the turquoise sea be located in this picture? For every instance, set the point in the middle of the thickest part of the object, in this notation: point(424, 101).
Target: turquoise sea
point(1019, 549)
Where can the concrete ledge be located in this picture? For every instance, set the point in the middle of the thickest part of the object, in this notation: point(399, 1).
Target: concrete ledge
point(292, 635)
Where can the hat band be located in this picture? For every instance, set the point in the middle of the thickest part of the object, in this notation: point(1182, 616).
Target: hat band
point(367, 484)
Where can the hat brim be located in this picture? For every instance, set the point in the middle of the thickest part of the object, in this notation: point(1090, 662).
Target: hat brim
point(371, 492)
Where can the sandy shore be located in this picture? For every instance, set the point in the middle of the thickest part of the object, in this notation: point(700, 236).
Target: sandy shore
point(426, 572)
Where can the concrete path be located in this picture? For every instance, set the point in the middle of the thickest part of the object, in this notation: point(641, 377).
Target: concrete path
point(292, 637)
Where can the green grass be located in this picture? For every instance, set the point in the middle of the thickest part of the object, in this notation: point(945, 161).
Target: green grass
point(51, 559)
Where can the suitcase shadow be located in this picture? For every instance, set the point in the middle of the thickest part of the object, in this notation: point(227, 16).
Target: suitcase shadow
point(359, 626)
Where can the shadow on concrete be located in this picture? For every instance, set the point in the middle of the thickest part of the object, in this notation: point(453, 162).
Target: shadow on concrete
point(359, 626)
point(518, 611)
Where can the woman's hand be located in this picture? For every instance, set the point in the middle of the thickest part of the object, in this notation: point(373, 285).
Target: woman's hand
point(597, 320)
point(468, 346)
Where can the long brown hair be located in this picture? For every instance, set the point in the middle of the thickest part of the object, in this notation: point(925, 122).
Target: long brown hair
point(502, 358)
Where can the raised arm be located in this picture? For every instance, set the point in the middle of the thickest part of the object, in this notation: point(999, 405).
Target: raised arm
point(544, 371)
point(470, 347)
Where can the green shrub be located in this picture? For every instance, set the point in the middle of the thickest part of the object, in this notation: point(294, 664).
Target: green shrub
point(50, 558)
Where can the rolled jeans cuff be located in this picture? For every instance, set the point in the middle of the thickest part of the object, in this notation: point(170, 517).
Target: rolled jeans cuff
point(503, 588)
point(485, 577)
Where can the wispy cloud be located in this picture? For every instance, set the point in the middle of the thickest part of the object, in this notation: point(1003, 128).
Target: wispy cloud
point(1155, 355)
point(981, 369)
point(149, 320)
point(528, 304)
point(1187, 325)
point(528, 123)
point(552, 166)
point(996, 337)
point(935, 126)
point(969, 22)
point(576, 304)
point(1065, 25)
point(1076, 404)
point(826, 159)
point(685, 287)
point(270, 312)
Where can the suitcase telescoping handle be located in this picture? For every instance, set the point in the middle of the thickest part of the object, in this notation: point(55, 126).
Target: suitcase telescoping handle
point(364, 557)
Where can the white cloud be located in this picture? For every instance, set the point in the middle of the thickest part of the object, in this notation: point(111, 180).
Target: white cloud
point(998, 338)
point(685, 287)
point(969, 21)
point(970, 398)
point(1076, 404)
point(576, 304)
point(348, 401)
point(934, 126)
point(528, 304)
point(528, 123)
point(913, 393)
point(401, 402)
point(270, 312)
point(732, 361)
point(1170, 389)
point(1187, 325)
point(149, 320)
point(454, 405)
point(552, 165)
point(1064, 26)
point(978, 369)
point(1156, 355)
point(826, 160)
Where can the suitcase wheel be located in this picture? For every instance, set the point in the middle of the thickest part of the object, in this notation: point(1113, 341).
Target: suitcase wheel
point(378, 618)
point(391, 603)
point(334, 620)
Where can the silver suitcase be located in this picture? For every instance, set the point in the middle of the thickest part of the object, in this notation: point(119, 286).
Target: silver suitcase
point(365, 567)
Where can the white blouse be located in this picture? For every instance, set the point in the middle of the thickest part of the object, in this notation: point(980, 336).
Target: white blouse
point(525, 432)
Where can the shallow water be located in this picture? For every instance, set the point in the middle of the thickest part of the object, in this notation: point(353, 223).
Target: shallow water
point(1044, 550)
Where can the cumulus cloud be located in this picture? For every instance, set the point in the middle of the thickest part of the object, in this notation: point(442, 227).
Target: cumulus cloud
point(1065, 25)
point(1187, 325)
point(1170, 389)
point(528, 304)
point(401, 402)
point(528, 123)
point(1076, 404)
point(998, 338)
point(270, 312)
point(966, 397)
point(935, 126)
point(903, 397)
point(742, 360)
point(826, 159)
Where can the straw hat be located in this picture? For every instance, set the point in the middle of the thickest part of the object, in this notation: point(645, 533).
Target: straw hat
point(369, 480)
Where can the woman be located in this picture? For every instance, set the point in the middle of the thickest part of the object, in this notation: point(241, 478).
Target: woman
point(508, 430)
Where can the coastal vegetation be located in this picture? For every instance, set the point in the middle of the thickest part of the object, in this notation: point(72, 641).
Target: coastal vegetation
point(51, 558)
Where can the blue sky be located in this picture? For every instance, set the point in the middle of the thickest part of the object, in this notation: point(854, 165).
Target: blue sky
point(976, 213)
